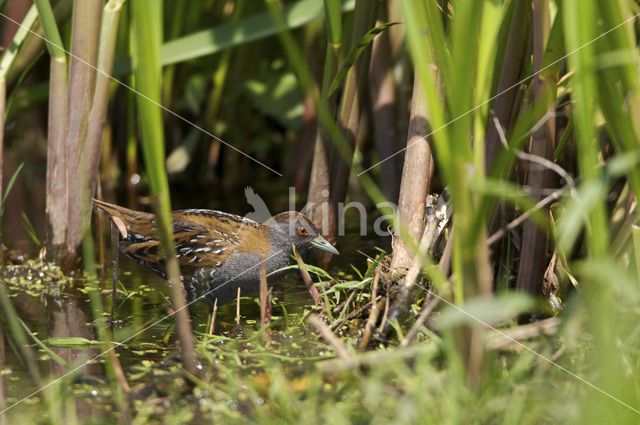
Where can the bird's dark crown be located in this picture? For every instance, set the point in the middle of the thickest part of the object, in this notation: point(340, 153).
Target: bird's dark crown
point(292, 227)
point(294, 223)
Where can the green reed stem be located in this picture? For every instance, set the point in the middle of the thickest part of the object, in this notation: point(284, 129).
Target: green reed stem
point(52, 34)
point(147, 40)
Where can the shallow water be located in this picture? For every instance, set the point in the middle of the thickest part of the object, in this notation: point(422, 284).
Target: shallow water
point(55, 311)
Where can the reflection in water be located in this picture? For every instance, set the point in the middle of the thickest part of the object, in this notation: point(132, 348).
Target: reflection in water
point(46, 316)
point(66, 318)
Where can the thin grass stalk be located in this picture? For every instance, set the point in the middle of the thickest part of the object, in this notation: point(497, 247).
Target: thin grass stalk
point(577, 34)
point(176, 28)
point(383, 104)
point(218, 80)
point(635, 238)
point(331, 339)
point(147, 38)
point(10, 56)
point(622, 219)
point(510, 69)
point(115, 263)
point(490, 53)
point(97, 115)
point(7, 64)
point(238, 296)
point(125, 43)
point(11, 318)
point(32, 44)
point(147, 35)
point(471, 263)
point(220, 74)
point(313, 291)
point(580, 28)
point(542, 144)
point(264, 320)
point(265, 300)
point(214, 313)
point(320, 182)
point(319, 178)
point(112, 365)
point(82, 77)
point(132, 148)
point(351, 109)
point(373, 313)
point(308, 131)
point(3, 99)
point(48, 21)
point(30, 47)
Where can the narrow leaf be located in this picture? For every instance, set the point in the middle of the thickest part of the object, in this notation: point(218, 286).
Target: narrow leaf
point(355, 53)
point(9, 187)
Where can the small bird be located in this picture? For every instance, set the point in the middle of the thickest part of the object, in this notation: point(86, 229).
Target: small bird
point(217, 251)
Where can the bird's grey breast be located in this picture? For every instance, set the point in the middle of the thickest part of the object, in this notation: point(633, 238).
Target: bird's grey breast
point(241, 270)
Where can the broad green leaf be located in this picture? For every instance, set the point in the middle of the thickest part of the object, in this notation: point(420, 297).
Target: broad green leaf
point(213, 40)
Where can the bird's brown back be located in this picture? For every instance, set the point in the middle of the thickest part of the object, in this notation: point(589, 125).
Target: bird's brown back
point(202, 238)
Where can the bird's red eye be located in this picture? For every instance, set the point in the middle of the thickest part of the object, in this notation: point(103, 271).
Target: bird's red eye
point(302, 231)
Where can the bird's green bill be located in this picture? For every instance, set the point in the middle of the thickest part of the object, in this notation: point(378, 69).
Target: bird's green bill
point(323, 244)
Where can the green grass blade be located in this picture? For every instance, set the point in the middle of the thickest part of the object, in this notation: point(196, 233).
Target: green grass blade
point(355, 53)
point(51, 32)
point(31, 232)
point(10, 54)
point(12, 181)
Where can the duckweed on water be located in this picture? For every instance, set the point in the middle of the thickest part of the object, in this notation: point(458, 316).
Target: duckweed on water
point(36, 278)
